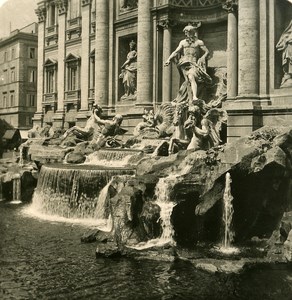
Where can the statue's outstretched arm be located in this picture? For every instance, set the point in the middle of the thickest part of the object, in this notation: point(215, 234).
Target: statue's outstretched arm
point(174, 54)
point(99, 120)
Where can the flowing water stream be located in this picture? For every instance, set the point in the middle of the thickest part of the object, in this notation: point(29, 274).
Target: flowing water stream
point(227, 218)
point(16, 192)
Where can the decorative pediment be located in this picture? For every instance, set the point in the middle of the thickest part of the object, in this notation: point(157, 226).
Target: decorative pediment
point(50, 62)
point(72, 57)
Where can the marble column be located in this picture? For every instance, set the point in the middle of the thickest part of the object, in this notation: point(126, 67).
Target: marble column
point(41, 13)
point(248, 49)
point(101, 50)
point(166, 71)
point(232, 51)
point(144, 60)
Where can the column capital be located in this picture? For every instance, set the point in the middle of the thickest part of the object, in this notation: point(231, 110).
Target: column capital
point(41, 13)
point(62, 6)
point(230, 6)
point(166, 24)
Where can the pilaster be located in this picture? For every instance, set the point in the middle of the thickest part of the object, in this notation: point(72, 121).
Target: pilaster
point(85, 49)
point(62, 11)
point(41, 13)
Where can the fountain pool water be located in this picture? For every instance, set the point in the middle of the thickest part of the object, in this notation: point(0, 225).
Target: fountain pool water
point(63, 268)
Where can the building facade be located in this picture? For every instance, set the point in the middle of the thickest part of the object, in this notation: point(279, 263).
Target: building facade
point(18, 77)
point(84, 50)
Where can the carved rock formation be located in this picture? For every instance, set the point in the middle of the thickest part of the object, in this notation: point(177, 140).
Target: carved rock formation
point(259, 165)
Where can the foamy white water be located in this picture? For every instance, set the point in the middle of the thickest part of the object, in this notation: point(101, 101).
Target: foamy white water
point(108, 163)
point(162, 192)
point(228, 213)
point(228, 250)
point(15, 202)
point(102, 224)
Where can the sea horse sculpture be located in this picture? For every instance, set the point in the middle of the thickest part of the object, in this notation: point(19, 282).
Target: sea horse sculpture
point(201, 130)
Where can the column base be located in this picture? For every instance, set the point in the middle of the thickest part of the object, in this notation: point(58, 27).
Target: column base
point(58, 119)
point(133, 109)
point(82, 117)
point(243, 118)
point(38, 119)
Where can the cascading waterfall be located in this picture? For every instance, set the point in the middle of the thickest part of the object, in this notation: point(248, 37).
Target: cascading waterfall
point(70, 193)
point(1, 189)
point(21, 159)
point(16, 197)
point(111, 157)
point(162, 195)
point(101, 211)
point(227, 212)
point(162, 192)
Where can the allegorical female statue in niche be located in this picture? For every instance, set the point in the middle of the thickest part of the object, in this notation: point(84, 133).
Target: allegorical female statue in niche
point(129, 73)
point(285, 45)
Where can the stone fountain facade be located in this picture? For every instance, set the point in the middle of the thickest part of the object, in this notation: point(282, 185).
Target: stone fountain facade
point(83, 48)
point(119, 58)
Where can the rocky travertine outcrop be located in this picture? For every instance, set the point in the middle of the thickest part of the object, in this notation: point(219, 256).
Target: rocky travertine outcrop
point(10, 171)
point(260, 168)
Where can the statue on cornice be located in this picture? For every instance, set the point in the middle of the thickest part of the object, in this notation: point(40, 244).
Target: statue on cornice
point(129, 73)
point(285, 45)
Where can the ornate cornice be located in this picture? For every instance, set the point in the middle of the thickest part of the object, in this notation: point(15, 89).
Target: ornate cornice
point(230, 6)
point(62, 6)
point(41, 13)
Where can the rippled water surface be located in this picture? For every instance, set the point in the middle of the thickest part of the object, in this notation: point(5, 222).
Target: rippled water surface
point(45, 260)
